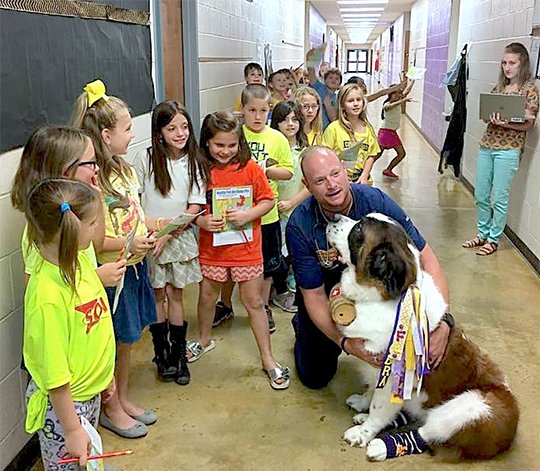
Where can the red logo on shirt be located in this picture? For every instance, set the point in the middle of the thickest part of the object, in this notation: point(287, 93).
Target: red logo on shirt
point(92, 310)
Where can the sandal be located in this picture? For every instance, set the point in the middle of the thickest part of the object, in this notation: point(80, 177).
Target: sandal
point(476, 242)
point(487, 249)
point(279, 373)
point(196, 350)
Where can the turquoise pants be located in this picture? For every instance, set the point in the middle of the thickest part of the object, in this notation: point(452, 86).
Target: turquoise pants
point(495, 170)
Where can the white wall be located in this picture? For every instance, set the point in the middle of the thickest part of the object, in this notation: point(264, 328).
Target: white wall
point(488, 27)
point(417, 56)
point(12, 380)
point(232, 33)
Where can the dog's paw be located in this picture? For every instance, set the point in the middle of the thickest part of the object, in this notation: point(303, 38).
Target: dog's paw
point(359, 402)
point(359, 419)
point(376, 450)
point(357, 436)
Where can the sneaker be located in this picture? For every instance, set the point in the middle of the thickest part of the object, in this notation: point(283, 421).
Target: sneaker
point(271, 323)
point(390, 174)
point(285, 301)
point(222, 313)
point(291, 283)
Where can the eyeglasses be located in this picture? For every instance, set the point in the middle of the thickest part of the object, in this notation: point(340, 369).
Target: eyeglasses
point(90, 163)
point(310, 107)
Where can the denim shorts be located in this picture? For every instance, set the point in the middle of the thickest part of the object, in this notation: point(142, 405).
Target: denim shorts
point(136, 306)
point(271, 247)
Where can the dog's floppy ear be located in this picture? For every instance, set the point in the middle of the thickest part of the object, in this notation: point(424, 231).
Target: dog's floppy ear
point(385, 265)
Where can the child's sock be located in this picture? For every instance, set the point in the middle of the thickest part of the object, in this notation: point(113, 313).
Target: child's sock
point(403, 443)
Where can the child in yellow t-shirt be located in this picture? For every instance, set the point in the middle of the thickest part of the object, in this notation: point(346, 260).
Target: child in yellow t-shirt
point(107, 121)
point(253, 74)
point(352, 137)
point(271, 150)
point(68, 333)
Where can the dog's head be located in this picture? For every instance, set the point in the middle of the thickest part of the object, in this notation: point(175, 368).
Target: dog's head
point(379, 251)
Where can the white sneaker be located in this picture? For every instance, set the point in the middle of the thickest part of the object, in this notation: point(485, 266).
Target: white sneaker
point(285, 301)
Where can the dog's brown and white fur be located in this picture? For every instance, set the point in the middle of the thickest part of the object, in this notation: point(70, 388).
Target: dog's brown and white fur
point(466, 407)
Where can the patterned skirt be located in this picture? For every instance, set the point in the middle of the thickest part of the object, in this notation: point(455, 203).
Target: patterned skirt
point(178, 264)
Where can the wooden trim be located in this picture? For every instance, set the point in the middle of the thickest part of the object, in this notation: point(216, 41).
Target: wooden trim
point(172, 50)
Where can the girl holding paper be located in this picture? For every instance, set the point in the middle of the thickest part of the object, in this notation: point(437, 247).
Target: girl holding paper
point(229, 159)
point(351, 136)
point(106, 119)
point(68, 333)
point(172, 180)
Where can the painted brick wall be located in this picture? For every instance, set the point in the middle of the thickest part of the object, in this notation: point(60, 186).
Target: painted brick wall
point(233, 33)
point(13, 381)
point(488, 27)
point(417, 56)
point(438, 33)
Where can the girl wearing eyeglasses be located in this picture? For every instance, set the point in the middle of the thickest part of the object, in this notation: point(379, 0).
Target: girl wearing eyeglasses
point(310, 105)
point(60, 152)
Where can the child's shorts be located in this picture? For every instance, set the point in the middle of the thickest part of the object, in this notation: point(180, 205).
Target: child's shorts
point(236, 274)
point(271, 247)
point(136, 306)
point(388, 139)
point(52, 437)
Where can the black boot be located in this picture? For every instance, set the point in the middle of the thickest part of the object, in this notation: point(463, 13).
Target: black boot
point(178, 353)
point(165, 368)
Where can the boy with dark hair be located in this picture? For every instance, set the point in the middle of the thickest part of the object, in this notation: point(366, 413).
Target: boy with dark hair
point(253, 73)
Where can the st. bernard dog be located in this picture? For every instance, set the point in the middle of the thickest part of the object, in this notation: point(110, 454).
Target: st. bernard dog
point(465, 408)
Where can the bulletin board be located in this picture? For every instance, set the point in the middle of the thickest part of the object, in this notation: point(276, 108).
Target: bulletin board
point(46, 59)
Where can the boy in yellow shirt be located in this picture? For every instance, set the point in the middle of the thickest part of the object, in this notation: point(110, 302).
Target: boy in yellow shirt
point(271, 150)
point(253, 74)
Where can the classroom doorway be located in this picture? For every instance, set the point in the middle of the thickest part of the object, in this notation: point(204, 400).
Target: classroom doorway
point(357, 60)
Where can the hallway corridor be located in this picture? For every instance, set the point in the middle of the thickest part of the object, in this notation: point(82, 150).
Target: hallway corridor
point(228, 418)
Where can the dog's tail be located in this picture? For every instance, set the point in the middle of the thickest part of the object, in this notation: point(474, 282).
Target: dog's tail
point(477, 424)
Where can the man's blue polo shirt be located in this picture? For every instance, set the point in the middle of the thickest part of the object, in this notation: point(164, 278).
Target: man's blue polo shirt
point(306, 230)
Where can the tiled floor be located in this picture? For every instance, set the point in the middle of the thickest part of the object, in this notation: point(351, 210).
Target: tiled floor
point(228, 418)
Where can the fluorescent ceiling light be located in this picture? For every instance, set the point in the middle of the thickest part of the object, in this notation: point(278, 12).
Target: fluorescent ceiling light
point(362, 2)
point(359, 17)
point(361, 10)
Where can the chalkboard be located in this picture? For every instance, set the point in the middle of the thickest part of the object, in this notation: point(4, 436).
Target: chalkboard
point(46, 60)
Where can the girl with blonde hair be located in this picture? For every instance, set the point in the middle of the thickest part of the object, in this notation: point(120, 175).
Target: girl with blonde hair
point(310, 104)
point(351, 136)
point(106, 119)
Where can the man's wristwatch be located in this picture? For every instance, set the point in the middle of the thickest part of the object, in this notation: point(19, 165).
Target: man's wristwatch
point(449, 319)
point(342, 344)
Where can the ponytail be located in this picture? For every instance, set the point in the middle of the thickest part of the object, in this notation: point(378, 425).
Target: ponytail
point(56, 207)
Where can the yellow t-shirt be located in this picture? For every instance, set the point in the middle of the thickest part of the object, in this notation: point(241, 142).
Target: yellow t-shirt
point(265, 145)
point(32, 256)
point(353, 153)
point(290, 188)
point(121, 214)
point(237, 106)
point(68, 337)
point(314, 138)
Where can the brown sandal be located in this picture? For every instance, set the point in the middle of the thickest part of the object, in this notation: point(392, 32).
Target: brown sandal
point(487, 249)
point(476, 242)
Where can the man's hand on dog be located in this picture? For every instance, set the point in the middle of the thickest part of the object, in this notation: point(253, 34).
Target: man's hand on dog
point(438, 340)
point(356, 347)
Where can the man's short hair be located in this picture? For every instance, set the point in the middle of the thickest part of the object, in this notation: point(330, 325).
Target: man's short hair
point(252, 66)
point(312, 150)
point(334, 71)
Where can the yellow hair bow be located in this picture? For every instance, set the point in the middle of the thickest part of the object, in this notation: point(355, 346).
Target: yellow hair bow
point(94, 91)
